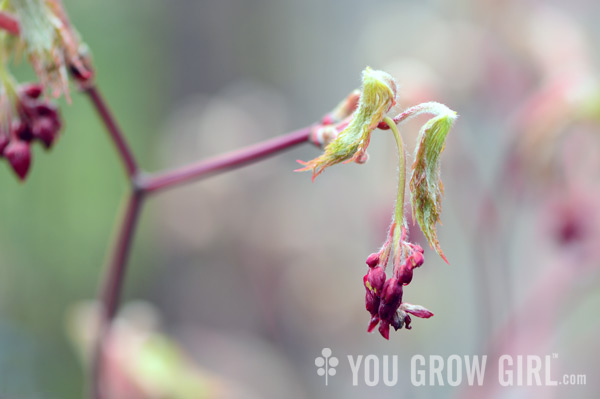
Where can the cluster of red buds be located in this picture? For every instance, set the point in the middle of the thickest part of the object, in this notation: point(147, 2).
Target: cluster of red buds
point(384, 295)
point(27, 117)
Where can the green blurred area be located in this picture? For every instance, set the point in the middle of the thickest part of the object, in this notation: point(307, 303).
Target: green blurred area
point(56, 227)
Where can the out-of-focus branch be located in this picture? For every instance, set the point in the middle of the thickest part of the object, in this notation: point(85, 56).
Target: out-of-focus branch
point(115, 272)
point(114, 131)
point(112, 285)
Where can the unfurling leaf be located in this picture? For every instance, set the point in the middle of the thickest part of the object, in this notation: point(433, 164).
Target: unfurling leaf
point(378, 95)
point(425, 184)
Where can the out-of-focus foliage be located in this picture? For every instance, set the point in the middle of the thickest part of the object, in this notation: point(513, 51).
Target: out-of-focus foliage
point(261, 269)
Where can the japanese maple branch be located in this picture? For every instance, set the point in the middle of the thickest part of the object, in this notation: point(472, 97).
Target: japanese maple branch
point(114, 131)
point(219, 164)
point(114, 276)
point(113, 280)
point(112, 284)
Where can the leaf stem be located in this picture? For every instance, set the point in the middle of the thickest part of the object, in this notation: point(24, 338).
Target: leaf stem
point(399, 210)
point(431, 107)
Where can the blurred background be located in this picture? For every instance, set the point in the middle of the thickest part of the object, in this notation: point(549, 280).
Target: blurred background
point(247, 276)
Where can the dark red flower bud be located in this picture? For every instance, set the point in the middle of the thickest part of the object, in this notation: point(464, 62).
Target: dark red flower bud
point(47, 109)
point(417, 258)
point(375, 279)
point(22, 131)
point(372, 303)
point(373, 259)
point(44, 130)
point(391, 298)
point(405, 273)
point(18, 154)
point(32, 90)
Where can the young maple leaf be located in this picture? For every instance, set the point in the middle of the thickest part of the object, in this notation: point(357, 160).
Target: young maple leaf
point(425, 184)
point(378, 95)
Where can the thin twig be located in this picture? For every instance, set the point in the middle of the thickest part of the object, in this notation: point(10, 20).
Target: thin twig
point(112, 285)
point(115, 132)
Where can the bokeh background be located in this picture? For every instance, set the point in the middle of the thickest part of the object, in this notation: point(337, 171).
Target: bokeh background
point(253, 272)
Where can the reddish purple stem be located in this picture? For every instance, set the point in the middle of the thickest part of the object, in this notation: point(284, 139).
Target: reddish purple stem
point(112, 285)
point(224, 162)
point(114, 277)
point(111, 289)
point(116, 135)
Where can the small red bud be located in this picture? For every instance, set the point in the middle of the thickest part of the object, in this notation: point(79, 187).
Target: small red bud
point(22, 131)
point(32, 90)
point(18, 154)
point(44, 130)
point(82, 73)
point(405, 273)
point(417, 259)
point(327, 120)
point(376, 279)
point(47, 109)
point(391, 298)
point(373, 259)
point(372, 303)
point(361, 158)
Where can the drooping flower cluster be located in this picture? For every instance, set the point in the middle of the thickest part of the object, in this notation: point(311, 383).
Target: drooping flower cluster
point(345, 134)
point(26, 117)
point(384, 297)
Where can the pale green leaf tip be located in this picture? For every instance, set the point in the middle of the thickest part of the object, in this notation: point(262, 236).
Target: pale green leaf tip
point(426, 186)
point(378, 95)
